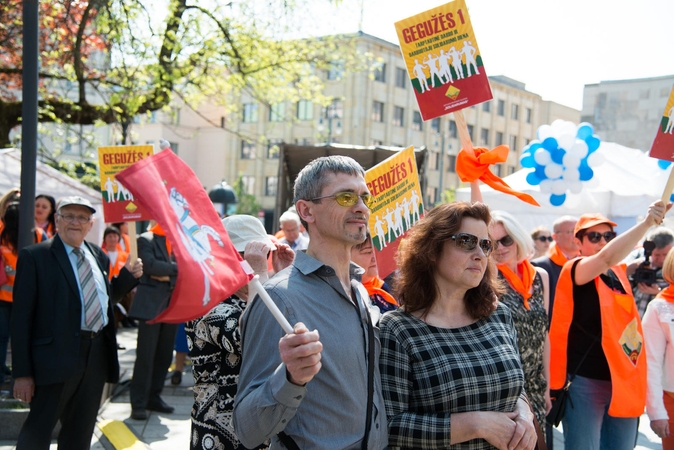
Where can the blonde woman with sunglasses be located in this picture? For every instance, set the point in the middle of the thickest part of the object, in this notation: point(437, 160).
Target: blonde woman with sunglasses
point(527, 295)
point(597, 341)
point(542, 239)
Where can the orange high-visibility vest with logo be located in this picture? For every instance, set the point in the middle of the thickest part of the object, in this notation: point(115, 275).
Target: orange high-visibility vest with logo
point(122, 257)
point(622, 341)
point(9, 261)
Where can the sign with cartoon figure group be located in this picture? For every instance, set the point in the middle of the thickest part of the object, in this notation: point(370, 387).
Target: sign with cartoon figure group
point(395, 184)
point(663, 145)
point(118, 202)
point(443, 60)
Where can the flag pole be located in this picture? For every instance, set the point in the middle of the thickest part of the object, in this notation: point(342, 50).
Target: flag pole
point(669, 187)
point(278, 315)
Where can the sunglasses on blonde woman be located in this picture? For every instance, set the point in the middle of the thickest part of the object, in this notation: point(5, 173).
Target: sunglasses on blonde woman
point(468, 242)
point(505, 241)
point(544, 238)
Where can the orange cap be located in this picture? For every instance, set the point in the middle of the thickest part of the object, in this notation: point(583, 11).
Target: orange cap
point(591, 219)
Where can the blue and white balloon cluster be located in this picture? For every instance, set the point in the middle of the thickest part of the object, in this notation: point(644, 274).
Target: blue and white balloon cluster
point(562, 157)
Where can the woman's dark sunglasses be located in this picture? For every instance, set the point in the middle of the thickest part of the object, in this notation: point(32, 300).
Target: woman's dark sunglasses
point(468, 242)
point(595, 237)
point(544, 238)
point(505, 241)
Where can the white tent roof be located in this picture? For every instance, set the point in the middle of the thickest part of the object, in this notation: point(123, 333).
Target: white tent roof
point(52, 182)
point(622, 188)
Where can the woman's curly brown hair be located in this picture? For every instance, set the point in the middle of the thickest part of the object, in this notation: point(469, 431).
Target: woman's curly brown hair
point(415, 282)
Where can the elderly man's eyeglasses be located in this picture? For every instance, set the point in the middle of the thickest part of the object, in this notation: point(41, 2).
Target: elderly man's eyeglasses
point(70, 218)
point(595, 237)
point(349, 199)
point(468, 242)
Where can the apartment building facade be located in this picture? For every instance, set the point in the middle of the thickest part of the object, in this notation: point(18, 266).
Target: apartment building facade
point(375, 107)
point(627, 112)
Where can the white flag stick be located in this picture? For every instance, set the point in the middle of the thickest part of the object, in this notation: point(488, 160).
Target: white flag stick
point(278, 315)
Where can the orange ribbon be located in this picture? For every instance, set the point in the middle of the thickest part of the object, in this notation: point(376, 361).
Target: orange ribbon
point(159, 231)
point(374, 287)
point(521, 285)
point(556, 256)
point(667, 294)
point(476, 167)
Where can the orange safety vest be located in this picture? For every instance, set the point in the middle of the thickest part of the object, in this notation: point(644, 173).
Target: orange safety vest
point(122, 256)
point(622, 341)
point(9, 261)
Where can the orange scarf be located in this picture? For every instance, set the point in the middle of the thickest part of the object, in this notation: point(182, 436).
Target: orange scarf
point(476, 167)
point(556, 255)
point(523, 286)
point(159, 231)
point(667, 294)
point(374, 287)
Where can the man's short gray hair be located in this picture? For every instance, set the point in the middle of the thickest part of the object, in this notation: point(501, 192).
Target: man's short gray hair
point(289, 216)
point(311, 180)
point(661, 236)
point(561, 220)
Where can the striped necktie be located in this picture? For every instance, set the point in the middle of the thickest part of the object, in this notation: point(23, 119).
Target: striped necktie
point(93, 313)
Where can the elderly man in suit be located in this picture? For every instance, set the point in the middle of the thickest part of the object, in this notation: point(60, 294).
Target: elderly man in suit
point(154, 349)
point(63, 331)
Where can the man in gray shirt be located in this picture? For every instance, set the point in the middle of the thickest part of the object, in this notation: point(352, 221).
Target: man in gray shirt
point(308, 388)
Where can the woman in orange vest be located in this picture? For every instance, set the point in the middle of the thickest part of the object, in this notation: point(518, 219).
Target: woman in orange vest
point(659, 337)
point(118, 257)
point(124, 242)
point(596, 334)
point(45, 209)
point(9, 239)
point(526, 294)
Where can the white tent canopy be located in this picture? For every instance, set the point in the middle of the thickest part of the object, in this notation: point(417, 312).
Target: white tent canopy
point(621, 189)
point(51, 182)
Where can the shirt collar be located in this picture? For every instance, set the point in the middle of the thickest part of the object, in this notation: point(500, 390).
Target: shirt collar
point(308, 264)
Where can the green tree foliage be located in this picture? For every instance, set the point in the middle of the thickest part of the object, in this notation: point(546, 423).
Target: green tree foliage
point(107, 61)
point(248, 203)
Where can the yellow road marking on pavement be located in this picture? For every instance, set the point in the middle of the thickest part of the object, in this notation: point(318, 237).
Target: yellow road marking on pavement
point(120, 436)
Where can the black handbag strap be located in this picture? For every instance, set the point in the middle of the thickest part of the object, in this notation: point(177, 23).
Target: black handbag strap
point(290, 443)
point(595, 339)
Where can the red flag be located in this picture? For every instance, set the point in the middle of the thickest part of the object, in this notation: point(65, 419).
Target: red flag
point(209, 268)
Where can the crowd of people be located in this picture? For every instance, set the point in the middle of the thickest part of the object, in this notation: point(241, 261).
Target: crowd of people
point(467, 345)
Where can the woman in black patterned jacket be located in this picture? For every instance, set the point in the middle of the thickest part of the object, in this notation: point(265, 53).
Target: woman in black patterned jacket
point(450, 368)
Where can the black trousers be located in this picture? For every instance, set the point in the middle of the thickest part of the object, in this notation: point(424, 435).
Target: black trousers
point(154, 353)
point(74, 402)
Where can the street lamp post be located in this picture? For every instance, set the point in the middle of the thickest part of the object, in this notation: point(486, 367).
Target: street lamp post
point(223, 193)
point(331, 114)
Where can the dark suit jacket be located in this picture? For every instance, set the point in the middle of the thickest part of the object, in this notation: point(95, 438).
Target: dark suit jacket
point(47, 310)
point(553, 270)
point(152, 296)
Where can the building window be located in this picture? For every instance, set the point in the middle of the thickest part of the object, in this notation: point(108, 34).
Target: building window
point(433, 160)
point(435, 124)
point(501, 108)
point(336, 71)
point(511, 170)
point(486, 106)
point(376, 142)
point(499, 138)
point(248, 183)
point(528, 117)
point(401, 78)
point(398, 116)
point(303, 141)
point(250, 112)
point(470, 132)
point(305, 110)
point(514, 112)
point(273, 148)
point(644, 94)
point(380, 72)
point(335, 110)
point(417, 123)
point(270, 184)
point(277, 112)
point(496, 169)
point(174, 147)
point(484, 136)
point(513, 142)
point(247, 150)
point(452, 129)
point(377, 111)
point(222, 121)
point(175, 116)
point(451, 163)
